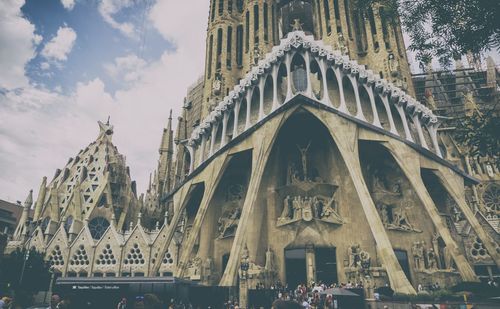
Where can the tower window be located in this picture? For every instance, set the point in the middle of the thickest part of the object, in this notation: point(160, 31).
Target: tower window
point(337, 15)
point(219, 48)
point(230, 6)
point(273, 20)
point(348, 18)
point(385, 32)
point(247, 32)
point(229, 46)
point(239, 4)
point(326, 6)
point(320, 22)
point(212, 15)
point(373, 27)
point(221, 7)
point(266, 22)
point(256, 23)
point(239, 45)
point(209, 60)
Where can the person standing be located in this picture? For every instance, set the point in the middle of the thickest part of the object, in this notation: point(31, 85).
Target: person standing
point(122, 304)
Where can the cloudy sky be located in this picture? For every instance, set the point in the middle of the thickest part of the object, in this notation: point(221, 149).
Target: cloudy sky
point(68, 63)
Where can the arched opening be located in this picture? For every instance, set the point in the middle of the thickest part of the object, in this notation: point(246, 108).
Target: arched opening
point(268, 95)
point(333, 87)
point(366, 105)
point(382, 114)
point(282, 83)
point(349, 96)
point(242, 116)
point(299, 74)
point(254, 106)
point(221, 220)
point(316, 80)
point(398, 122)
point(193, 203)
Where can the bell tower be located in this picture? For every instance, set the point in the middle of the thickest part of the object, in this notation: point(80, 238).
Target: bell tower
point(241, 32)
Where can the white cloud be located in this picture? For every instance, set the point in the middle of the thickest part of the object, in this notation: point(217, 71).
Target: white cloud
point(108, 8)
point(40, 129)
point(18, 42)
point(61, 45)
point(68, 4)
point(127, 68)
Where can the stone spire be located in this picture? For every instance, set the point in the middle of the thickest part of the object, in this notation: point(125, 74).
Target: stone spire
point(22, 227)
point(166, 153)
point(40, 199)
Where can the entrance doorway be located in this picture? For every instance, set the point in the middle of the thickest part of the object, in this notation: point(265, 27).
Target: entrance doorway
point(295, 265)
point(402, 257)
point(326, 265)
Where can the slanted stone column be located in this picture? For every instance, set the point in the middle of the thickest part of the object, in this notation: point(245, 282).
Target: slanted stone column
point(274, 74)
point(308, 72)
point(408, 162)
point(224, 129)
point(326, 97)
point(343, 106)
point(216, 169)
point(191, 158)
point(288, 64)
point(405, 123)
point(262, 84)
point(433, 133)
point(249, 108)
point(376, 119)
point(354, 83)
point(212, 139)
point(202, 149)
point(236, 118)
point(421, 137)
point(454, 185)
point(385, 100)
point(347, 145)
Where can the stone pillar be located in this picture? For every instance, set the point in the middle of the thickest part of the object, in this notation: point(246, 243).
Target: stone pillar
point(310, 264)
point(376, 119)
point(212, 139)
point(223, 140)
point(405, 123)
point(343, 106)
point(421, 137)
point(409, 164)
point(249, 107)
point(236, 118)
point(354, 83)
point(389, 114)
point(262, 84)
point(288, 64)
point(243, 301)
point(308, 72)
point(324, 70)
point(275, 86)
point(433, 133)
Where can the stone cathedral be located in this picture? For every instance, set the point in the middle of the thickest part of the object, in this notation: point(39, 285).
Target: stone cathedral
point(301, 155)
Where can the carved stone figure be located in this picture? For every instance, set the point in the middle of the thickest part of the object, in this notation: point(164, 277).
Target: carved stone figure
point(303, 157)
point(228, 223)
point(244, 263)
point(354, 258)
point(217, 84)
point(393, 65)
point(307, 210)
point(431, 259)
point(208, 269)
point(269, 266)
point(318, 207)
point(297, 25)
point(418, 255)
point(287, 212)
point(297, 210)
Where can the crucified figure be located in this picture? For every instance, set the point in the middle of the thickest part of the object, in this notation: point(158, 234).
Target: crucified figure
point(303, 155)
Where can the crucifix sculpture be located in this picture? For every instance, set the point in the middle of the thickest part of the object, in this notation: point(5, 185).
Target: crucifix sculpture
point(303, 155)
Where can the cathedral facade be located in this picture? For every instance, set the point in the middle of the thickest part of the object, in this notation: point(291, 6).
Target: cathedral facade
point(300, 155)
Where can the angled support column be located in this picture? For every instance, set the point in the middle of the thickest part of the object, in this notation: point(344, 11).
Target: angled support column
point(405, 123)
point(343, 106)
point(433, 133)
point(376, 119)
point(288, 64)
point(260, 155)
point(223, 139)
point(421, 137)
point(455, 189)
point(191, 158)
point(181, 201)
point(348, 147)
point(262, 84)
point(354, 83)
point(217, 168)
point(308, 72)
point(324, 70)
point(389, 114)
point(411, 169)
point(249, 108)
point(212, 139)
point(236, 118)
point(274, 74)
